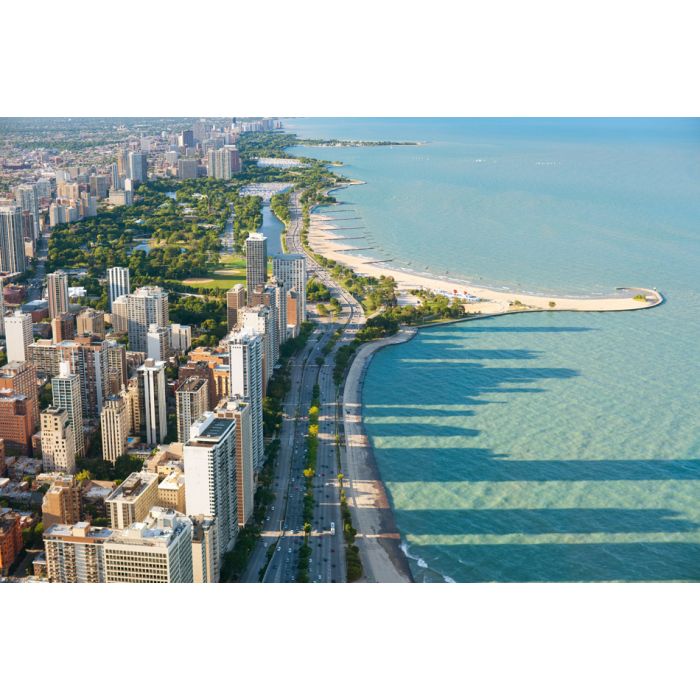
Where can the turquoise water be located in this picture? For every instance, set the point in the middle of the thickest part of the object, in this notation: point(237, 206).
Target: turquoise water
point(550, 446)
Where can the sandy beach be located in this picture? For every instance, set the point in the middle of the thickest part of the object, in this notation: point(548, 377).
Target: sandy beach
point(328, 237)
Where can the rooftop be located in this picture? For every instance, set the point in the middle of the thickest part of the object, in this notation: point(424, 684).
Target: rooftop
point(132, 487)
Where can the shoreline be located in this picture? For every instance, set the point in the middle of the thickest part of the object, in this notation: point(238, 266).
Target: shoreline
point(489, 301)
point(378, 539)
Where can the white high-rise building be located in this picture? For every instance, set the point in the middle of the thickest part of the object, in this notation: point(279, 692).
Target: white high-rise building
point(259, 319)
point(224, 162)
point(158, 342)
point(256, 261)
point(119, 315)
point(210, 475)
point(66, 394)
point(12, 257)
point(18, 336)
point(180, 338)
point(290, 269)
point(117, 283)
point(152, 400)
point(145, 306)
point(246, 380)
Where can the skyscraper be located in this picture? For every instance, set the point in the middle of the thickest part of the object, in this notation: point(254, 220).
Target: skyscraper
point(57, 290)
point(57, 440)
point(210, 475)
point(114, 422)
point(290, 269)
point(192, 400)
point(153, 401)
point(158, 342)
point(66, 394)
point(27, 198)
point(256, 261)
point(235, 299)
point(259, 319)
point(246, 381)
point(91, 322)
point(145, 306)
point(268, 296)
point(20, 377)
point(18, 336)
point(239, 410)
point(138, 167)
point(224, 162)
point(117, 283)
point(116, 180)
point(12, 258)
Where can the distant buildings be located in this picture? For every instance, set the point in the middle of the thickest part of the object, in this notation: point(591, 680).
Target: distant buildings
point(12, 257)
point(180, 338)
point(138, 167)
point(187, 168)
point(256, 261)
point(224, 162)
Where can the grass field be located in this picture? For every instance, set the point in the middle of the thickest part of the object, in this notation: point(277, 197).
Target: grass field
point(231, 271)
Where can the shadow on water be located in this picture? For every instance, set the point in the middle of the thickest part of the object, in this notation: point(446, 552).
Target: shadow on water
point(538, 521)
point(455, 387)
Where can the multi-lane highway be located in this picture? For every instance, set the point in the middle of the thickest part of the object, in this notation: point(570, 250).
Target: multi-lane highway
point(284, 532)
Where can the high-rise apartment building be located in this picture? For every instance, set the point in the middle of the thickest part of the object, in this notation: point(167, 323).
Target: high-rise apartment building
point(180, 338)
point(115, 180)
point(12, 257)
point(118, 283)
point(10, 540)
point(61, 503)
point(268, 296)
point(16, 427)
point(290, 270)
point(18, 336)
point(89, 359)
point(146, 306)
point(152, 401)
point(114, 424)
point(131, 501)
point(187, 168)
point(57, 290)
point(256, 261)
point(117, 374)
point(119, 315)
point(171, 491)
point(224, 163)
point(57, 440)
point(246, 381)
point(210, 474)
point(238, 410)
point(259, 319)
point(158, 342)
point(27, 198)
point(138, 167)
point(99, 185)
point(66, 394)
point(235, 299)
point(192, 400)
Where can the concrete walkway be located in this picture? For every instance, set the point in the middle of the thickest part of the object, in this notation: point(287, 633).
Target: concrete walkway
point(377, 538)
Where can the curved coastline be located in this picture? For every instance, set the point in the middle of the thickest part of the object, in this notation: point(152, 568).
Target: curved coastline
point(382, 550)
